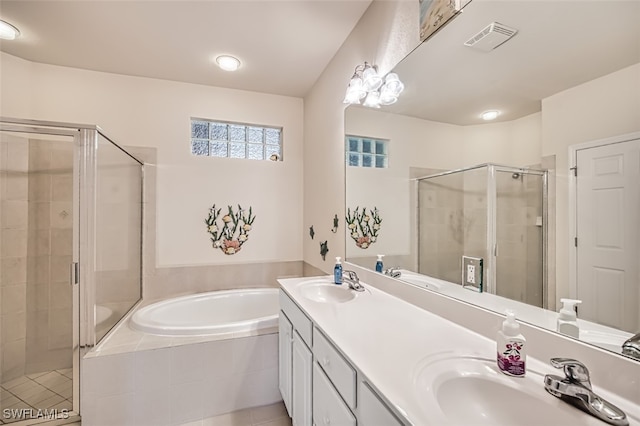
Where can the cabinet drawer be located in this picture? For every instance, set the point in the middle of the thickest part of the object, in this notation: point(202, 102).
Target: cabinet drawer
point(336, 367)
point(298, 319)
point(328, 408)
point(372, 411)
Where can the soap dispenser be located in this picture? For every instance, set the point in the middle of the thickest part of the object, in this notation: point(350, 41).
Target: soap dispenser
point(567, 320)
point(337, 271)
point(512, 355)
point(379, 263)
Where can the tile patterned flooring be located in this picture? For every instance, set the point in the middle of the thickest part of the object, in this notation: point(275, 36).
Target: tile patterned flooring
point(50, 390)
point(53, 390)
point(266, 415)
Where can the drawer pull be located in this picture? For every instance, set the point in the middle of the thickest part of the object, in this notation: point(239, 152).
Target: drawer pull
point(327, 421)
point(325, 362)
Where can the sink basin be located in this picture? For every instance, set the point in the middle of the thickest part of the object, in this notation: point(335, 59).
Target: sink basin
point(607, 340)
point(419, 280)
point(326, 292)
point(472, 391)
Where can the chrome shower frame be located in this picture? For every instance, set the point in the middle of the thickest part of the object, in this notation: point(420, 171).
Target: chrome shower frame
point(82, 276)
point(492, 246)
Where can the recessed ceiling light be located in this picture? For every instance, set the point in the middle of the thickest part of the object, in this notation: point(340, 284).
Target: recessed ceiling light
point(228, 63)
point(8, 31)
point(490, 115)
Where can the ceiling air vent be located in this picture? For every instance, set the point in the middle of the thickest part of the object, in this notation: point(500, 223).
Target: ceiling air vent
point(492, 36)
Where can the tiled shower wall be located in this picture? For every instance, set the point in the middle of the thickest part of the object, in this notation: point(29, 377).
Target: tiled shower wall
point(36, 234)
point(49, 254)
point(14, 162)
point(518, 272)
point(442, 227)
point(453, 223)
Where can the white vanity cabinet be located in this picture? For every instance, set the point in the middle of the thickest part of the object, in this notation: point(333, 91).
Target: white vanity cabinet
point(285, 340)
point(295, 361)
point(319, 385)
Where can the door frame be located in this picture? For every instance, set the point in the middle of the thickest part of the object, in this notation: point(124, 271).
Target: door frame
point(573, 200)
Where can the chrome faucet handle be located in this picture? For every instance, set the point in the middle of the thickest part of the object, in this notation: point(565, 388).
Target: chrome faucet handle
point(352, 276)
point(393, 272)
point(575, 389)
point(574, 370)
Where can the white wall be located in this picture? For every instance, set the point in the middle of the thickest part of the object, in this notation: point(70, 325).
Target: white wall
point(155, 113)
point(15, 86)
point(412, 143)
point(385, 34)
point(601, 108)
point(515, 143)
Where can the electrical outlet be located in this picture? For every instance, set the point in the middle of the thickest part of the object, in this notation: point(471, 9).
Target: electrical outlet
point(472, 273)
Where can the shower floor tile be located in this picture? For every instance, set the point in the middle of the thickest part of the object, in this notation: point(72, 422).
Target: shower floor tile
point(44, 390)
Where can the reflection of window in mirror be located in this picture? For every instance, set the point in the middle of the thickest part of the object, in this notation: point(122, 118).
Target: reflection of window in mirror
point(366, 152)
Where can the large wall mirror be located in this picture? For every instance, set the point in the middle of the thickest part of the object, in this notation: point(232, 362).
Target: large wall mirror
point(547, 194)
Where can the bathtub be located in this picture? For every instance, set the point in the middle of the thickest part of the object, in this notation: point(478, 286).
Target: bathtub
point(216, 312)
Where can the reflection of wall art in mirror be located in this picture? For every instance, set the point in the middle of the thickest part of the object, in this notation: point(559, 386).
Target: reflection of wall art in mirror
point(324, 249)
point(234, 231)
point(364, 227)
point(434, 14)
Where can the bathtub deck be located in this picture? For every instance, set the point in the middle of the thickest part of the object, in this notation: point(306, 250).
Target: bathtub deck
point(122, 339)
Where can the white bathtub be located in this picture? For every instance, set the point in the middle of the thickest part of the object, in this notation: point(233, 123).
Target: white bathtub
point(212, 313)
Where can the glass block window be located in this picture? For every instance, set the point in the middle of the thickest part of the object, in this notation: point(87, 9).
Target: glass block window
point(235, 140)
point(366, 152)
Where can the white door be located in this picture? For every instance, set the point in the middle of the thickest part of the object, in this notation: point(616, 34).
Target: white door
point(301, 383)
point(285, 340)
point(607, 216)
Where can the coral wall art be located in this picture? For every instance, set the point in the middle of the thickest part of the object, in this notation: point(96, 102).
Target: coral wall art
point(363, 226)
point(231, 230)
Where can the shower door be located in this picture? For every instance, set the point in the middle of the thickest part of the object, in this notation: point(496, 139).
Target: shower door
point(519, 235)
point(70, 259)
point(39, 240)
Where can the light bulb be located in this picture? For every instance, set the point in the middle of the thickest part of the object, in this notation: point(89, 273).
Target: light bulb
point(490, 115)
point(228, 63)
point(392, 81)
point(372, 100)
point(355, 92)
point(8, 31)
point(371, 79)
point(387, 97)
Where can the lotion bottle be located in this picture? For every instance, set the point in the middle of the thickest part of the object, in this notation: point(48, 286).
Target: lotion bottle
point(337, 272)
point(379, 263)
point(511, 344)
point(567, 319)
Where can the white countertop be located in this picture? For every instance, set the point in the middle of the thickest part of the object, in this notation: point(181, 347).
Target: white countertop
point(388, 340)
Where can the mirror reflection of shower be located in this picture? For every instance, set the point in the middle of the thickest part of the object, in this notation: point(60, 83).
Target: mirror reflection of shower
point(497, 213)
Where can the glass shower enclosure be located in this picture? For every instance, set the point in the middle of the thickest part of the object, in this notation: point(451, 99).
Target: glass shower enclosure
point(496, 213)
point(70, 256)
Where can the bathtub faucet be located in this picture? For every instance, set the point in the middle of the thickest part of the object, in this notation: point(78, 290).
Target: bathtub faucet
point(351, 278)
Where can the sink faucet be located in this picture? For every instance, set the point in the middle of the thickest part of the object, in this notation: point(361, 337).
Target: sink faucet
point(351, 278)
point(393, 272)
point(631, 347)
point(575, 388)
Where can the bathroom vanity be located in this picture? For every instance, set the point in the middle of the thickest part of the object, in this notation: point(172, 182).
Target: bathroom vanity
point(370, 358)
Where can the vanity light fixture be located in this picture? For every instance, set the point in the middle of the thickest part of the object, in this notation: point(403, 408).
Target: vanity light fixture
point(8, 31)
point(228, 62)
point(367, 84)
point(490, 115)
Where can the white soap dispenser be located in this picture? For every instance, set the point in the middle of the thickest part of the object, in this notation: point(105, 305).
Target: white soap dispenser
point(511, 344)
point(567, 319)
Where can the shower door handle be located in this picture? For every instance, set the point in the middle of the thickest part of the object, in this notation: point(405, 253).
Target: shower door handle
point(75, 270)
